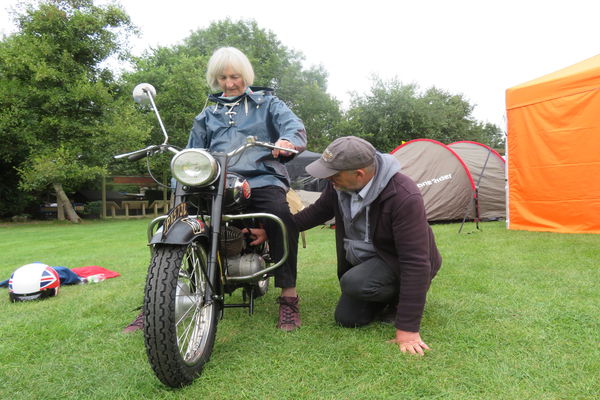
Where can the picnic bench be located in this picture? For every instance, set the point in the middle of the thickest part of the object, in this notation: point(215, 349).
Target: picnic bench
point(160, 204)
point(113, 206)
point(134, 205)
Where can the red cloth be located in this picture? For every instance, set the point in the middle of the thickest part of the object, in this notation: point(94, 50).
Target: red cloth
point(90, 270)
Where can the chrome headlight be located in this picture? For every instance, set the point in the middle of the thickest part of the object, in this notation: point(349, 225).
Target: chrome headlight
point(195, 167)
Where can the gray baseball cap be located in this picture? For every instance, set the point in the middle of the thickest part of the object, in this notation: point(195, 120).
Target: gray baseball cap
point(343, 154)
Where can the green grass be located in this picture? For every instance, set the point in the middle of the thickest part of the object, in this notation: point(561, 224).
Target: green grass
point(511, 315)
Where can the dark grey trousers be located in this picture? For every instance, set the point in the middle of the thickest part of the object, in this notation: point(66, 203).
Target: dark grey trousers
point(366, 289)
point(272, 199)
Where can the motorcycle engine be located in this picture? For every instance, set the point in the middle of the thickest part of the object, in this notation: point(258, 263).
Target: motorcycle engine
point(246, 264)
point(232, 241)
point(232, 246)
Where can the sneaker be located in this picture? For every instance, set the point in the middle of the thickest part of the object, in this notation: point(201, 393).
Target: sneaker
point(137, 324)
point(289, 313)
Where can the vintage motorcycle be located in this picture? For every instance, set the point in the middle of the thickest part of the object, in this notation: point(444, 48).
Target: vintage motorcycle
point(199, 254)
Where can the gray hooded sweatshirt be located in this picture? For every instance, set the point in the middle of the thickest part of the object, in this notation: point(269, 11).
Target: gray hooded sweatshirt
point(358, 241)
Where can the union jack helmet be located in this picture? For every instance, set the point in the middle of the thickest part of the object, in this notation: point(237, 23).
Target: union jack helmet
point(33, 282)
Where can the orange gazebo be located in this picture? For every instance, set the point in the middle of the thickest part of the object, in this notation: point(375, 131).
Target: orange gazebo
point(553, 151)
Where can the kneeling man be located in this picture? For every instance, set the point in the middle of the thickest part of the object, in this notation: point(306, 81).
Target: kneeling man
point(386, 250)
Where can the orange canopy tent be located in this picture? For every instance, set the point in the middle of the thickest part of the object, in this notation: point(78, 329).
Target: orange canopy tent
point(553, 151)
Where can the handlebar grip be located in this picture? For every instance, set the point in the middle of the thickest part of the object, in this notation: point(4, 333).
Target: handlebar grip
point(292, 151)
point(273, 147)
point(138, 156)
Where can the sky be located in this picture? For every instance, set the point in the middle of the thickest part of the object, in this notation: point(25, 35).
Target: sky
point(476, 48)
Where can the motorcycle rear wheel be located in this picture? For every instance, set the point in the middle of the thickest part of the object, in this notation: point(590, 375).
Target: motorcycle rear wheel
point(179, 325)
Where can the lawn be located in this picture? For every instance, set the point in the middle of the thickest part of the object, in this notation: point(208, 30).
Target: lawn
point(511, 315)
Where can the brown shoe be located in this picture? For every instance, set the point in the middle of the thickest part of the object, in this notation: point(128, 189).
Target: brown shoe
point(289, 313)
point(137, 324)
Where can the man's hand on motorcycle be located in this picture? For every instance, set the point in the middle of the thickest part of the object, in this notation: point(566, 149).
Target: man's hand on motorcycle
point(258, 235)
point(283, 143)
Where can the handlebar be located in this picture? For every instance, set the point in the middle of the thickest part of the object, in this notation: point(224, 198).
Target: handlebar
point(139, 154)
point(250, 141)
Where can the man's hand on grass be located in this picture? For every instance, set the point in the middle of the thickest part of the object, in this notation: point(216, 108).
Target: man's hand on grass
point(409, 342)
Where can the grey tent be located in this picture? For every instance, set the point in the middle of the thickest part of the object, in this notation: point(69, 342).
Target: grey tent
point(461, 180)
point(488, 169)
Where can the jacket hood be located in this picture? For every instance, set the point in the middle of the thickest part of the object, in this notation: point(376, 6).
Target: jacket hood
point(387, 166)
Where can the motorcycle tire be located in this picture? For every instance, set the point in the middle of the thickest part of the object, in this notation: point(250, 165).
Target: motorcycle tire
point(179, 326)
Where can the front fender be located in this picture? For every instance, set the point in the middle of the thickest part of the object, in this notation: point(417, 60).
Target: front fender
point(182, 231)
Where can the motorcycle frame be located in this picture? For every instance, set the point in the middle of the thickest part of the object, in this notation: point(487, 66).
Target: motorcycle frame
point(181, 233)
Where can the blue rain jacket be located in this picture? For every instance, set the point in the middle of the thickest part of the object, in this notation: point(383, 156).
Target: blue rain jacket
point(224, 126)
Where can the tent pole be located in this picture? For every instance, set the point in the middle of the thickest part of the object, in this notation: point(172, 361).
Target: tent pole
point(476, 197)
point(467, 212)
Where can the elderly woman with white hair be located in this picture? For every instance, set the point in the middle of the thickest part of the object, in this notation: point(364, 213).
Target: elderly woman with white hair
point(242, 110)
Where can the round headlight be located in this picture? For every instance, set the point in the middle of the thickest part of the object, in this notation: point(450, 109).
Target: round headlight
point(194, 167)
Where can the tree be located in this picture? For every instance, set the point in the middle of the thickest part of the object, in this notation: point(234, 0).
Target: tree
point(305, 93)
point(181, 90)
point(178, 73)
point(60, 120)
point(394, 112)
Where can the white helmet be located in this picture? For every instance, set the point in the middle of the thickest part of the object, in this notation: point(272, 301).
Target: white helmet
point(32, 282)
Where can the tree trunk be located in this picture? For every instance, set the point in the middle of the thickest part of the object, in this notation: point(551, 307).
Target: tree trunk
point(60, 210)
point(63, 203)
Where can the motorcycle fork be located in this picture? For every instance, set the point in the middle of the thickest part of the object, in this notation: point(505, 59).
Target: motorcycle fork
point(216, 214)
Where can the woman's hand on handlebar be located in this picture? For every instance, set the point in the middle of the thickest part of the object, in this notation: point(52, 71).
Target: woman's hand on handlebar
point(283, 143)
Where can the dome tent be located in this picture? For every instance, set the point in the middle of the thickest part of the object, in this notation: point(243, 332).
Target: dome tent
point(461, 180)
point(488, 170)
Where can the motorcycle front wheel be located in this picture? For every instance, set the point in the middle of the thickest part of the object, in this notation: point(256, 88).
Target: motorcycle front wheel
point(180, 325)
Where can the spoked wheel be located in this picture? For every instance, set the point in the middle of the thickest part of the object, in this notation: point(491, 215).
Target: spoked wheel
point(180, 325)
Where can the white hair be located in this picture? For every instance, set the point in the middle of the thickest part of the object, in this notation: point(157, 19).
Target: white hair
point(228, 57)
